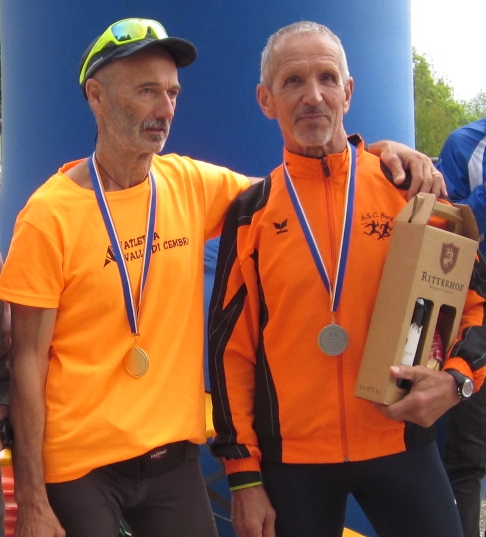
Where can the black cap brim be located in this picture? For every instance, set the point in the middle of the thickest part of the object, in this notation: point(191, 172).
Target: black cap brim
point(183, 52)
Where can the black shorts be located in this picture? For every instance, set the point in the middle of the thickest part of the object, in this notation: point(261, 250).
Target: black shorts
point(160, 493)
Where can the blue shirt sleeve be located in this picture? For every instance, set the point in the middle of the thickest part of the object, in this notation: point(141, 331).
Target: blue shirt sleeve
point(453, 163)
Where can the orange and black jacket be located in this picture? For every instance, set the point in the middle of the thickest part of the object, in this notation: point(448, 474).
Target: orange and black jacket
point(276, 395)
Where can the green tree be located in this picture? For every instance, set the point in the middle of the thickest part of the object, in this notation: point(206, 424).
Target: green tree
point(437, 114)
point(476, 108)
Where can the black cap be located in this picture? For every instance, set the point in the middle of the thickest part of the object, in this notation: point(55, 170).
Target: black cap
point(183, 52)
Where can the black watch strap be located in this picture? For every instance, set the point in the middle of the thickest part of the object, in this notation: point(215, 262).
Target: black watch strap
point(465, 385)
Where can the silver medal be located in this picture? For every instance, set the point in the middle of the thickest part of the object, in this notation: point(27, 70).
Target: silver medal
point(333, 339)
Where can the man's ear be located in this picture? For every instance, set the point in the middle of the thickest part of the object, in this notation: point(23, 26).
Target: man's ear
point(265, 100)
point(348, 93)
point(93, 89)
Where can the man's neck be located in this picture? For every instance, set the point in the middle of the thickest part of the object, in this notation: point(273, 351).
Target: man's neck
point(122, 171)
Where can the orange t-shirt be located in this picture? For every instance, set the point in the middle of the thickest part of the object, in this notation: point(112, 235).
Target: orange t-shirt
point(61, 258)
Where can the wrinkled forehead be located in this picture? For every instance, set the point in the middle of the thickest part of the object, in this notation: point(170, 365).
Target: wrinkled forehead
point(305, 50)
point(306, 44)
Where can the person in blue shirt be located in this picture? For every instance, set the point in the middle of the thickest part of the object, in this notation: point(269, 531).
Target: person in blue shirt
point(462, 161)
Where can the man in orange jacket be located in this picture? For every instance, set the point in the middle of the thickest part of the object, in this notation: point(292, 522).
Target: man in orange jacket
point(296, 258)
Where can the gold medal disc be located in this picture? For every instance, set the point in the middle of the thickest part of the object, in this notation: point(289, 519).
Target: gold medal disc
point(136, 362)
point(333, 339)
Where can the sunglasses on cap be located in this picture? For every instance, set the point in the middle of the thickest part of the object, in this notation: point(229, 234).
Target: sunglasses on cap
point(122, 33)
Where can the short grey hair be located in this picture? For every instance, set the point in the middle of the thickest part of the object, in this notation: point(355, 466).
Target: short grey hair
point(267, 62)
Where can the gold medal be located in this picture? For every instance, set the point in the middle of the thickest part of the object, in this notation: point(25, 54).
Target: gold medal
point(136, 362)
point(333, 339)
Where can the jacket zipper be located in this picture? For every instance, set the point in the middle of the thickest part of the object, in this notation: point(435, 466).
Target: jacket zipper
point(339, 360)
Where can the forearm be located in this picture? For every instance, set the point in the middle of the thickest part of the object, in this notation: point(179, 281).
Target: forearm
point(32, 330)
point(27, 415)
point(471, 339)
point(35, 515)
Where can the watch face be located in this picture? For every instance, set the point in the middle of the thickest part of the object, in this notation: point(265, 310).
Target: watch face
point(467, 388)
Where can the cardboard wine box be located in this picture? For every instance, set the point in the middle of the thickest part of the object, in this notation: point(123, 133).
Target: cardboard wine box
point(427, 262)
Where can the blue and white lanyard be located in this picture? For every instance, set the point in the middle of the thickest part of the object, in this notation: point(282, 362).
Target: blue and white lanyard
point(131, 309)
point(346, 232)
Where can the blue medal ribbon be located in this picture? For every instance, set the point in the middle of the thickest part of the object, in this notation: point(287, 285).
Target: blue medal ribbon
point(131, 309)
point(346, 232)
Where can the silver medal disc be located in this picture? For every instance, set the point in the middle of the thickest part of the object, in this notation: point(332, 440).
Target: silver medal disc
point(333, 339)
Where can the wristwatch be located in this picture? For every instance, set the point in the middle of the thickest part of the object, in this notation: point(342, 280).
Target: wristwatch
point(465, 385)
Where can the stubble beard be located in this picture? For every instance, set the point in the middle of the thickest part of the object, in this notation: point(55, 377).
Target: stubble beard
point(315, 137)
point(159, 138)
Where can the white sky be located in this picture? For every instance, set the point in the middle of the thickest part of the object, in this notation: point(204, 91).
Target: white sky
point(452, 36)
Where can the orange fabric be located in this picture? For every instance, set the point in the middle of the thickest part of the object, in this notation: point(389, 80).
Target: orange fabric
point(61, 258)
point(274, 391)
point(350, 533)
point(209, 416)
